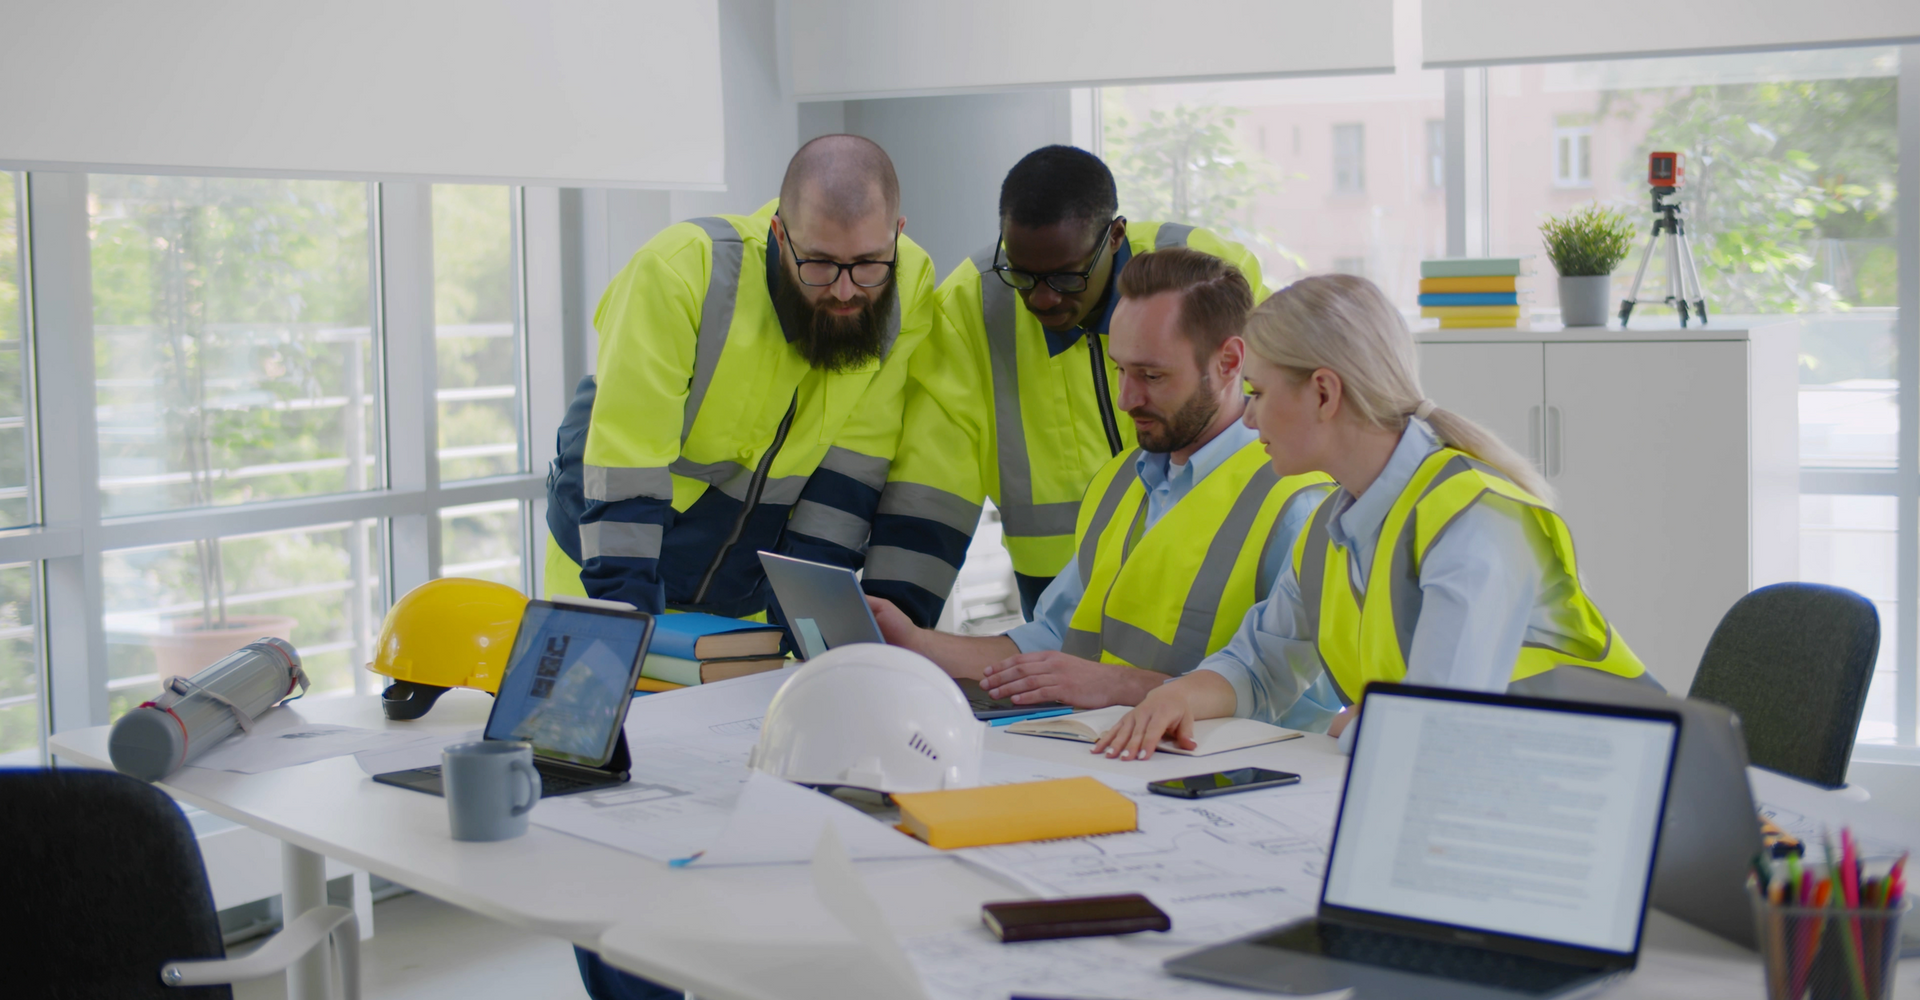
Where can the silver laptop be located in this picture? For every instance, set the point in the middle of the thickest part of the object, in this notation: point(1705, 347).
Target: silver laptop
point(1487, 846)
point(824, 607)
point(1712, 829)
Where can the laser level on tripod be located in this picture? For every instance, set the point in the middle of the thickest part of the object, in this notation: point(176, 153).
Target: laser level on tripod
point(1666, 172)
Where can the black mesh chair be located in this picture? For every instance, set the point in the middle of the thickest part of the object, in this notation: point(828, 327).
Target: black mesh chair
point(110, 899)
point(1793, 661)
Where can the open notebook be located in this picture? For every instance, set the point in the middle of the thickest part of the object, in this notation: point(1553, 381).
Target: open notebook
point(1212, 735)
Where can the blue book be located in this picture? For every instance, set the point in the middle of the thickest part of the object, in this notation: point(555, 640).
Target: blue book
point(696, 636)
point(1470, 299)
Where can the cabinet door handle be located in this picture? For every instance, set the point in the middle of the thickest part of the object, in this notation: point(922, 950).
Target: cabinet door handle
point(1555, 443)
point(1533, 436)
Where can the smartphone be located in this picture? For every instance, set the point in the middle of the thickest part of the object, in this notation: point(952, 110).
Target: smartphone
point(1240, 779)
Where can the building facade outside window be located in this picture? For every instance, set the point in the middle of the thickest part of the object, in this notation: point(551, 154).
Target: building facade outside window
point(1350, 158)
point(1573, 156)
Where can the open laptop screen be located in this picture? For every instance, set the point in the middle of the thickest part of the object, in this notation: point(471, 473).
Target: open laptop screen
point(568, 681)
point(1534, 821)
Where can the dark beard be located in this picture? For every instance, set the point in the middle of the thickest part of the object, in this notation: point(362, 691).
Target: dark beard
point(1186, 425)
point(828, 342)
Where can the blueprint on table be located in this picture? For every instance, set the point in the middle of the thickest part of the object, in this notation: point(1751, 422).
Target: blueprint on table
point(1219, 867)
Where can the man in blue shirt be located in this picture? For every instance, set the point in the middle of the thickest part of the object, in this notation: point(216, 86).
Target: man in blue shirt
point(1175, 341)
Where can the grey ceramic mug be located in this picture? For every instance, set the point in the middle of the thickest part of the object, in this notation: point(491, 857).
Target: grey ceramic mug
point(491, 786)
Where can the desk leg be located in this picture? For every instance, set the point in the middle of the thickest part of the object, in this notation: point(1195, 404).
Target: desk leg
point(303, 886)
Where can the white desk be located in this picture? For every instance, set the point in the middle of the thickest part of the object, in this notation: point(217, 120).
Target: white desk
point(756, 933)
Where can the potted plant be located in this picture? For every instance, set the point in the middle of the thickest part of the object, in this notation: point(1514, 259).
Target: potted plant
point(1585, 246)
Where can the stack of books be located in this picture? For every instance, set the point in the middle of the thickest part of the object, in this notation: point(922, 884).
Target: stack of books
point(699, 649)
point(1482, 292)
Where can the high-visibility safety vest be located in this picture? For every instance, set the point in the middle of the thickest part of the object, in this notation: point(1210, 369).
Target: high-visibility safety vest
point(705, 436)
point(992, 412)
point(1167, 597)
point(1365, 638)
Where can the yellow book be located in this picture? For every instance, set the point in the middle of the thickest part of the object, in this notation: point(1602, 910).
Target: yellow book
point(1010, 814)
point(1469, 312)
point(1480, 324)
point(649, 684)
point(1487, 283)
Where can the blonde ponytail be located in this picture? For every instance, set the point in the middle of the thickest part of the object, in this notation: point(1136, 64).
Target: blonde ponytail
point(1345, 324)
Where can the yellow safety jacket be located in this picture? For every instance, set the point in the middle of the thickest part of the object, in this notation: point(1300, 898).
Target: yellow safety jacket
point(1366, 637)
point(996, 408)
point(705, 436)
point(1166, 598)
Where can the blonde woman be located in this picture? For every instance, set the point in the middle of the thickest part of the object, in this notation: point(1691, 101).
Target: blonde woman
point(1438, 561)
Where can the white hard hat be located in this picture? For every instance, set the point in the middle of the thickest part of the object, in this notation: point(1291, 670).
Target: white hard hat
point(871, 716)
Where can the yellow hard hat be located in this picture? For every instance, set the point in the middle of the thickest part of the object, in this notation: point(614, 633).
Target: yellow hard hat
point(444, 634)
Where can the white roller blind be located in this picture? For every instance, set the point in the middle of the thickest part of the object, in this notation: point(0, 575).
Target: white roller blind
point(607, 93)
point(851, 49)
point(1484, 32)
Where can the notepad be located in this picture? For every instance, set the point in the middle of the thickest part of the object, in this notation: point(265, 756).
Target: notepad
point(1011, 814)
point(1212, 735)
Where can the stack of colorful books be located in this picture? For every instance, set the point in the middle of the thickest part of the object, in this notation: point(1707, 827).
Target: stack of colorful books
point(700, 649)
point(1473, 292)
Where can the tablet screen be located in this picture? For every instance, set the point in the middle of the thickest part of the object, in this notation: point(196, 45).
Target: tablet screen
point(568, 681)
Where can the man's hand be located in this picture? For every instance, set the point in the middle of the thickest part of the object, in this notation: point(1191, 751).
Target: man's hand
point(895, 626)
point(1165, 713)
point(1342, 720)
point(1031, 678)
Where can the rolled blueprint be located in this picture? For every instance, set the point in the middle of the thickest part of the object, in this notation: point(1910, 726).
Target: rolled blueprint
point(192, 714)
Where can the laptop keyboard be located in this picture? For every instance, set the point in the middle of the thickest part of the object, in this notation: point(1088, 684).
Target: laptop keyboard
point(1431, 958)
point(551, 783)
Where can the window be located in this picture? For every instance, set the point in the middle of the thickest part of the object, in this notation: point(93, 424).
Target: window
point(1276, 203)
point(16, 460)
point(1792, 161)
point(476, 307)
point(1436, 154)
point(1573, 157)
point(269, 361)
point(232, 320)
point(1350, 158)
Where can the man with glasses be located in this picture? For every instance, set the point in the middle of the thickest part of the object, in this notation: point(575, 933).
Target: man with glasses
point(748, 395)
point(1014, 399)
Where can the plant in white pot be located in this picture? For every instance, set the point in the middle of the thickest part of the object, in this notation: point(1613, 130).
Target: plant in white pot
point(1585, 246)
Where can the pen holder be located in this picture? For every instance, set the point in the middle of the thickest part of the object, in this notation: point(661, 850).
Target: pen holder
point(1826, 953)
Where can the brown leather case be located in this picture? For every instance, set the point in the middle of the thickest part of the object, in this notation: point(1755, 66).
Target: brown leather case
point(1085, 916)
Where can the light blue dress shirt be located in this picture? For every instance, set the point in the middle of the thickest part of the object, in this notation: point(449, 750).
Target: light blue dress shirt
point(1166, 484)
point(1487, 584)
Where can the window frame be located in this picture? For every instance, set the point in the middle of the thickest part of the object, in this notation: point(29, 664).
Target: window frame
point(1569, 142)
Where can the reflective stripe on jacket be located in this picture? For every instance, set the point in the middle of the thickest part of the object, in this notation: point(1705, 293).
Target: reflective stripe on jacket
point(706, 437)
point(1166, 598)
point(992, 414)
point(1362, 640)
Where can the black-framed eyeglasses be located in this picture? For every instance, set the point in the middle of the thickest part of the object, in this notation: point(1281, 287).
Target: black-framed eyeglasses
point(1064, 282)
point(865, 273)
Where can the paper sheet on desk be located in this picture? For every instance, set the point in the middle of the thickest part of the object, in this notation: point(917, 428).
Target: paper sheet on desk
point(970, 965)
point(284, 739)
point(685, 801)
point(422, 750)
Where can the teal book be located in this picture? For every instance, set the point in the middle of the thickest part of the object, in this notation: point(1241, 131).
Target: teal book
point(696, 636)
point(1472, 267)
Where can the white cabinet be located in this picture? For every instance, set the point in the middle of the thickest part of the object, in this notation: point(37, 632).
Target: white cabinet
point(1675, 456)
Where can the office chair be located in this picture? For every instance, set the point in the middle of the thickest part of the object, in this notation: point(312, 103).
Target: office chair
point(1794, 660)
point(110, 898)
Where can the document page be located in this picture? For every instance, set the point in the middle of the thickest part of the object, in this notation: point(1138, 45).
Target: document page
point(1515, 820)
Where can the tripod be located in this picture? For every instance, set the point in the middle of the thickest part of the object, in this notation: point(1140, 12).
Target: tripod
point(1683, 279)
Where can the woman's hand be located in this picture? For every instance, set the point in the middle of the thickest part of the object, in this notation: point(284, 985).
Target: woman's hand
point(1165, 712)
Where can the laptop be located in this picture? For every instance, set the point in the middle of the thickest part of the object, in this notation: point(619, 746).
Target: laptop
point(1486, 846)
point(1711, 830)
point(566, 690)
point(825, 607)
